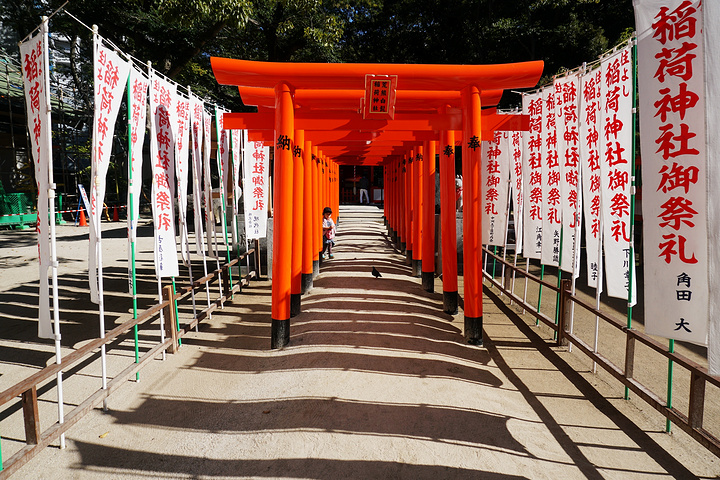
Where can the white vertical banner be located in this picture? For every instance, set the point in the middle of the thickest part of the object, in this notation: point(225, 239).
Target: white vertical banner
point(568, 141)
point(616, 140)
point(552, 199)
point(163, 131)
point(32, 55)
point(223, 164)
point(138, 87)
point(256, 163)
point(207, 182)
point(671, 74)
point(182, 151)
point(196, 128)
point(223, 153)
point(532, 176)
point(110, 78)
point(712, 98)
point(236, 163)
point(590, 165)
point(495, 175)
point(516, 183)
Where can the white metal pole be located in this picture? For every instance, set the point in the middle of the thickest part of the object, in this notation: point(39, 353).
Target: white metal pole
point(53, 242)
point(527, 270)
point(598, 286)
point(507, 229)
point(162, 316)
point(98, 251)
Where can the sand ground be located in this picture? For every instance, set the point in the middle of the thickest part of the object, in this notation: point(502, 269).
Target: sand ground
point(376, 383)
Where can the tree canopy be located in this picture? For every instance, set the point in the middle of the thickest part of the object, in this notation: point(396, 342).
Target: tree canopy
point(179, 36)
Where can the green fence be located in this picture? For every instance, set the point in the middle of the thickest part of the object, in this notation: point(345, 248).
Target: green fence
point(16, 209)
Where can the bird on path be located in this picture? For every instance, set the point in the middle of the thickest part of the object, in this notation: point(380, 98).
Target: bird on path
point(375, 273)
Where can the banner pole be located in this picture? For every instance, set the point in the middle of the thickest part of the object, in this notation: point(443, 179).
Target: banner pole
point(175, 306)
point(186, 240)
point(598, 285)
point(559, 284)
point(131, 223)
point(184, 236)
point(97, 218)
point(162, 316)
point(631, 263)
point(53, 242)
point(527, 270)
point(542, 276)
point(671, 349)
point(507, 229)
point(209, 211)
point(222, 195)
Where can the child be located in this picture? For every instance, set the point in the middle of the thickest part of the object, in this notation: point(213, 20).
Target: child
point(328, 232)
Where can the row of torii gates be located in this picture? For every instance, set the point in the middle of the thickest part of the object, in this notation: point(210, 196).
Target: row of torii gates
point(319, 116)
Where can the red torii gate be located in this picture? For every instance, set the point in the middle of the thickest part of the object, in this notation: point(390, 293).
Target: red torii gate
point(315, 102)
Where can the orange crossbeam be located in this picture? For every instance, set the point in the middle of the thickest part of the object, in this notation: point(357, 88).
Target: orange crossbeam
point(352, 75)
point(326, 99)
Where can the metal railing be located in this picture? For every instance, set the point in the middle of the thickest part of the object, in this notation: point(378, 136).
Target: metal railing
point(27, 389)
point(691, 421)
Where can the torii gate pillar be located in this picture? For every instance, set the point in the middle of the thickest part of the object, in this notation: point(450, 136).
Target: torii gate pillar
point(472, 272)
point(448, 222)
point(282, 216)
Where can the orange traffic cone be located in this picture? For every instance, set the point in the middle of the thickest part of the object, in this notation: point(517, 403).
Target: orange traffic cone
point(116, 216)
point(83, 221)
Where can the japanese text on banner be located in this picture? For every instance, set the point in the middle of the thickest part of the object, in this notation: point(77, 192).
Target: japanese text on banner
point(110, 78)
point(616, 141)
point(495, 175)
point(532, 176)
point(552, 208)
point(256, 161)
point(590, 162)
point(516, 182)
point(33, 54)
point(672, 96)
point(163, 132)
point(568, 142)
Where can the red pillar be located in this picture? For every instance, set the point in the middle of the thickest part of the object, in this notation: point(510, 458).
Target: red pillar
point(472, 273)
point(399, 184)
point(428, 217)
point(417, 211)
point(407, 207)
point(308, 219)
point(448, 222)
point(282, 216)
point(298, 223)
point(317, 212)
